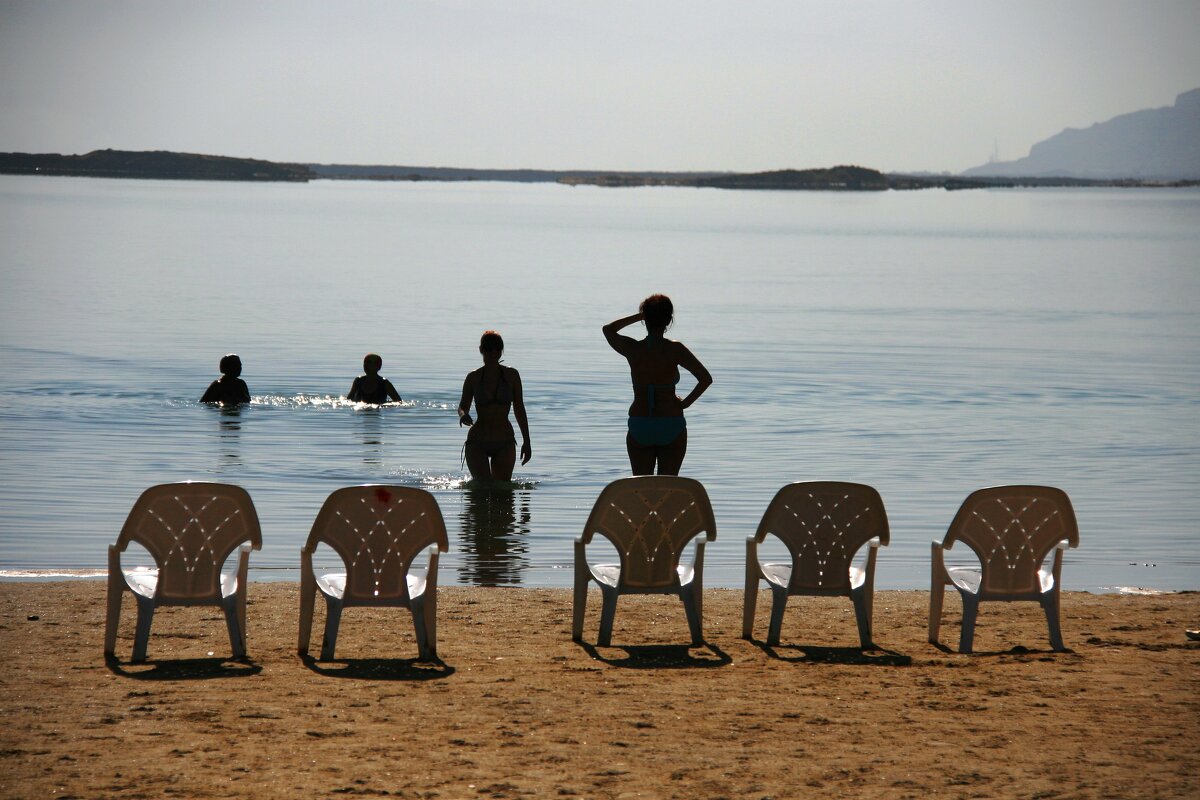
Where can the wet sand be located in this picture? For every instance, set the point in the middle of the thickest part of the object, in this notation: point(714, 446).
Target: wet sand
point(516, 709)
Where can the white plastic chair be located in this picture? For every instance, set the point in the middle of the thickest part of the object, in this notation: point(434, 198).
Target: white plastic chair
point(190, 529)
point(378, 531)
point(1011, 530)
point(650, 520)
point(824, 524)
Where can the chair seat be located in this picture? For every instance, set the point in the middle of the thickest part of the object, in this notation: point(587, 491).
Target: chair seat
point(609, 574)
point(333, 584)
point(967, 579)
point(781, 574)
point(145, 581)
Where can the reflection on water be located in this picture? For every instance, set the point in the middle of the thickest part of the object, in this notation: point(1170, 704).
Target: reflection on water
point(371, 430)
point(495, 524)
point(229, 422)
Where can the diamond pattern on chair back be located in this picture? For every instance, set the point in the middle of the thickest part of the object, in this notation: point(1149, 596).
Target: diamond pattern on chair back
point(1011, 529)
point(823, 524)
point(650, 520)
point(190, 529)
point(378, 531)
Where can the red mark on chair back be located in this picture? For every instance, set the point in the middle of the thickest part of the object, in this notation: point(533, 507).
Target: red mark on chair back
point(383, 495)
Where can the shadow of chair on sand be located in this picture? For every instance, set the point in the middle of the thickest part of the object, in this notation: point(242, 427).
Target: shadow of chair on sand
point(381, 669)
point(661, 656)
point(183, 669)
point(813, 654)
point(1016, 650)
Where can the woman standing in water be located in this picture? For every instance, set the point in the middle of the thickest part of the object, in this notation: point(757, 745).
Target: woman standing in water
point(491, 449)
point(657, 431)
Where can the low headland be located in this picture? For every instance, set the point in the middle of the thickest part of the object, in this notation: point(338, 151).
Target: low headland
point(166, 165)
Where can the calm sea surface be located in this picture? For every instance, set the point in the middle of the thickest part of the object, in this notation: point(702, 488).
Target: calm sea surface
point(927, 343)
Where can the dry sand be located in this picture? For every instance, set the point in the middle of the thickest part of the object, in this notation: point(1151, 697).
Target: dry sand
point(516, 709)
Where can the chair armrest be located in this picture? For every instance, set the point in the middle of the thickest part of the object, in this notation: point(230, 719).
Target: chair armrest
point(244, 558)
point(868, 566)
point(939, 562)
point(698, 563)
point(114, 562)
point(1056, 568)
point(431, 568)
point(752, 550)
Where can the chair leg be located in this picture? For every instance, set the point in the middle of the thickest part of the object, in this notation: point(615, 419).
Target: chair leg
point(418, 614)
point(578, 609)
point(750, 601)
point(691, 609)
point(937, 595)
point(308, 598)
point(240, 611)
point(112, 619)
point(145, 615)
point(582, 578)
point(970, 612)
point(429, 618)
point(1051, 607)
point(608, 610)
point(237, 634)
point(862, 615)
point(778, 604)
point(333, 618)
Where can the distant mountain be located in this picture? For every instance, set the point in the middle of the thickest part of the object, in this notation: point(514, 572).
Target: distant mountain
point(1154, 144)
point(159, 164)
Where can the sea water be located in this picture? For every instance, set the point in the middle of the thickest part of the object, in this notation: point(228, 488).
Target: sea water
point(927, 343)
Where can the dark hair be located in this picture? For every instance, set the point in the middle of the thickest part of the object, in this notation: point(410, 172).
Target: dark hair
point(231, 365)
point(491, 341)
point(657, 311)
point(372, 358)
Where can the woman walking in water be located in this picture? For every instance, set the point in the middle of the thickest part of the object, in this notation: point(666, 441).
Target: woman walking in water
point(491, 450)
point(657, 431)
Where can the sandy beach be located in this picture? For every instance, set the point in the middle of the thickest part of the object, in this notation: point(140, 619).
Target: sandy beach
point(516, 709)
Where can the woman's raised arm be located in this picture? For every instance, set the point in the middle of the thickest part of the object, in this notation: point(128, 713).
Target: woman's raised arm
point(615, 340)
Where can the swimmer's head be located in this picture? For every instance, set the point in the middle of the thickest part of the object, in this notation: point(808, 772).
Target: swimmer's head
point(491, 342)
point(372, 363)
point(231, 366)
point(658, 312)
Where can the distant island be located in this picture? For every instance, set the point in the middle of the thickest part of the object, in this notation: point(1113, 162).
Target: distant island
point(166, 165)
point(160, 164)
point(1158, 144)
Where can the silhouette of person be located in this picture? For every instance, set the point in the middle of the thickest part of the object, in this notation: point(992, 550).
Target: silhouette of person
point(491, 449)
point(372, 387)
point(657, 430)
point(229, 389)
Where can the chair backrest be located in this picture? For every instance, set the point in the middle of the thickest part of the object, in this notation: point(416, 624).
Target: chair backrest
point(650, 519)
point(190, 529)
point(823, 524)
point(1011, 529)
point(378, 531)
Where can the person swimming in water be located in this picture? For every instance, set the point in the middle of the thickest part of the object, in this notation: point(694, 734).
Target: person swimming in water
point(491, 449)
point(657, 430)
point(229, 389)
point(372, 387)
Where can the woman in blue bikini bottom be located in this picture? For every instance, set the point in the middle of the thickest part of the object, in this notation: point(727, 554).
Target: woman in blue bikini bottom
point(657, 431)
point(661, 440)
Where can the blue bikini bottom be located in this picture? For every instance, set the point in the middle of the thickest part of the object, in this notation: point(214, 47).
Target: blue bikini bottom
point(656, 431)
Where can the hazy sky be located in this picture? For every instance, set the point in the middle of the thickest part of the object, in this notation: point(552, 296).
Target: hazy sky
point(602, 84)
